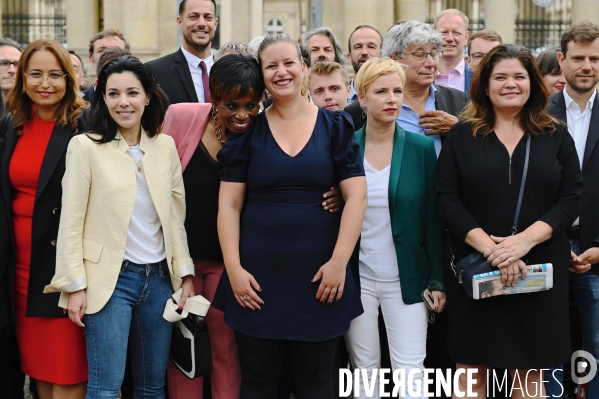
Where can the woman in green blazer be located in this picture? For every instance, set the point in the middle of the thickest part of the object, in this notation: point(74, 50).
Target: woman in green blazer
point(401, 241)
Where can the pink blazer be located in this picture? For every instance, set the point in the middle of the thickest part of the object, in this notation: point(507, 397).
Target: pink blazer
point(185, 123)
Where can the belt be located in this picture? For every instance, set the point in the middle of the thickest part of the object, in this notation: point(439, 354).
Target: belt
point(573, 233)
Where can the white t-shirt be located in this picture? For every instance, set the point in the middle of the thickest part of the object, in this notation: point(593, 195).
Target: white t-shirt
point(145, 241)
point(378, 260)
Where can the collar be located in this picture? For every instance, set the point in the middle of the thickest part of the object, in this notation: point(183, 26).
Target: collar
point(195, 61)
point(122, 145)
point(570, 102)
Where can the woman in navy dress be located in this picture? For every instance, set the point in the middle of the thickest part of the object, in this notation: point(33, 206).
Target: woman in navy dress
point(287, 280)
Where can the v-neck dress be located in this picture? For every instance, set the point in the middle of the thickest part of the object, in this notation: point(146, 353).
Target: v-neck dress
point(285, 235)
point(477, 186)
point(44, 355)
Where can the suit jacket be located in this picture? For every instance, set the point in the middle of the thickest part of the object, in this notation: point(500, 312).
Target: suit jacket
point(467, 79)
point(88, 94)
point(415, 226)
point(46, 217)
point(447, 99)
point(172, 74)
point(589, 216)
point(94, 225)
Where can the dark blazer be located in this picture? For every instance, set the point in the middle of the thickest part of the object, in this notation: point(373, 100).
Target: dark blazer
point(88, 94)
point(589, 216)
point(415, 225)
point(467, 79)
point(172, 74)
point(447, 99)
point(46, 216)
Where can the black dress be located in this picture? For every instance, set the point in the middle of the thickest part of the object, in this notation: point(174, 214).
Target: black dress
point(478, 186)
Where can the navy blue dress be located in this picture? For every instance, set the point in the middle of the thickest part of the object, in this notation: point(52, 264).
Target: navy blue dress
point(285, 235)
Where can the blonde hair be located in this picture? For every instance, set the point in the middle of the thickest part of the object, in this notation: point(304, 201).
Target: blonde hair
point(373, 69)
point(327, 68)
point(451, 12)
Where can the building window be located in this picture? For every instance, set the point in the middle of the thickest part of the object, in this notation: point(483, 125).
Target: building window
point(274, 26)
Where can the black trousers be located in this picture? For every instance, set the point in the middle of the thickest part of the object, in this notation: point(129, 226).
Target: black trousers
point(12, 379)
point(262, 360)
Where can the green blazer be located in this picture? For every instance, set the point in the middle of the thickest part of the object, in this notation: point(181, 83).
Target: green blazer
point(416, 227)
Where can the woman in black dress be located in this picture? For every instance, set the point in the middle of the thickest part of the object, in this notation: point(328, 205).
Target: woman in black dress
point(478, 181)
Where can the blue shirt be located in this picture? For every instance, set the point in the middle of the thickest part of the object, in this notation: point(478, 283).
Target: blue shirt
point(353, 94)
point(409, 120)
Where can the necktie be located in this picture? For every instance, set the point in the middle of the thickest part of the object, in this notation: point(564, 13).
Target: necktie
point(205, 81)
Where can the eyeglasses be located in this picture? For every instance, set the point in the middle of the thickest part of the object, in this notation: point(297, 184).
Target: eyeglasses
point(54, 78)
point(477, 56)
point(5, 64)
point(420, 55)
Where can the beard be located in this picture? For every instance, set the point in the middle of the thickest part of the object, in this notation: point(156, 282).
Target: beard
point(198, 46)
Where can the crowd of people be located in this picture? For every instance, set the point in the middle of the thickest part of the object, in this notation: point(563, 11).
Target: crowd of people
point(312, 210)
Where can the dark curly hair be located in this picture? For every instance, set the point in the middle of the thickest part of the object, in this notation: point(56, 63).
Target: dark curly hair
point(234, 76)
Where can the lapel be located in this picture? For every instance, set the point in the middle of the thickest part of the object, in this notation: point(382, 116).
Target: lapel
point(10, 142)
point(57, 146)
point(440, 102)
point(559, 107)
point(396, 160)
point(183, 71)
point(593, 134)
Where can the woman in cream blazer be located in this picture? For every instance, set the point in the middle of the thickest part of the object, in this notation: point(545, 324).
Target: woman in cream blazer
point(122, 247)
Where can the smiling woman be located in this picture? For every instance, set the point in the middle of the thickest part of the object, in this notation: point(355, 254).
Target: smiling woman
point(480, 170)
point(121, 247)
point(44, 112)
point(288, 280)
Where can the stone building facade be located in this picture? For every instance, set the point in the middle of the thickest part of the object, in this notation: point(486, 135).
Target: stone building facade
point(150, 25)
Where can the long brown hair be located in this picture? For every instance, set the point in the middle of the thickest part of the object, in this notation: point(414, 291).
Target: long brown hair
point(18, 102)
point(532, 118)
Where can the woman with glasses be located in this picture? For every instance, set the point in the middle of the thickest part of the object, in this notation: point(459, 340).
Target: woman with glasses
point(45, 112)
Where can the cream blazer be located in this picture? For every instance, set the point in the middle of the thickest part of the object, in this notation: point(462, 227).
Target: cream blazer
point(99, 190)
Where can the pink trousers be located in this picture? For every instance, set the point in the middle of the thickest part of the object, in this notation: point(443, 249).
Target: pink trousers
point(226, 374)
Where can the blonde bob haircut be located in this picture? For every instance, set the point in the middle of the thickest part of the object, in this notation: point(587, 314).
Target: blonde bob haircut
point(373, 69)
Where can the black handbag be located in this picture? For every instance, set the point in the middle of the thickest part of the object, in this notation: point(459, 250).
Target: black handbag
point(190, 347)
point(476, 263)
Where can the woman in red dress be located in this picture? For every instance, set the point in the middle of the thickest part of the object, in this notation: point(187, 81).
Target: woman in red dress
point(45, 112)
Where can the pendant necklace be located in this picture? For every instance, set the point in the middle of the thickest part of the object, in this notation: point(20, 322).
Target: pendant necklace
point(138, 163)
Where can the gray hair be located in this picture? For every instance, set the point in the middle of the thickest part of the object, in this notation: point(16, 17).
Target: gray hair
point(234, 47)
point(401, 36)
point(7, 41)
point(324, 31)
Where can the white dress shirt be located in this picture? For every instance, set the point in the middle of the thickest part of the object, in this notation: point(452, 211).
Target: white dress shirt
point(196, 73)
point(578, 125)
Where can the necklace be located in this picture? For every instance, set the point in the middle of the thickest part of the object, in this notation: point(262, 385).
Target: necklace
point(219, 136)
point(138, 163)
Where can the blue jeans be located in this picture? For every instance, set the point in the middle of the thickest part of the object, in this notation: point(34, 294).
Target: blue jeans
point(586, 290)
point(134, 312)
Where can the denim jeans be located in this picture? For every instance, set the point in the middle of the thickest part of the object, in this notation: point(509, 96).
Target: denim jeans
point(134, 312)
point(586, 290)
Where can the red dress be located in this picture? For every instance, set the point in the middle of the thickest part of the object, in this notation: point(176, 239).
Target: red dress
point(52, 349)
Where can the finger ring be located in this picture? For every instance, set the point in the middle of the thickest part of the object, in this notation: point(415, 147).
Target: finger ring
point(245, 297)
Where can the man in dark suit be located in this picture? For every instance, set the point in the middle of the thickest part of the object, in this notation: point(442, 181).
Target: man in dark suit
point(577, 105)
point(427, 109)
point(183, 75)
point(453, 72)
